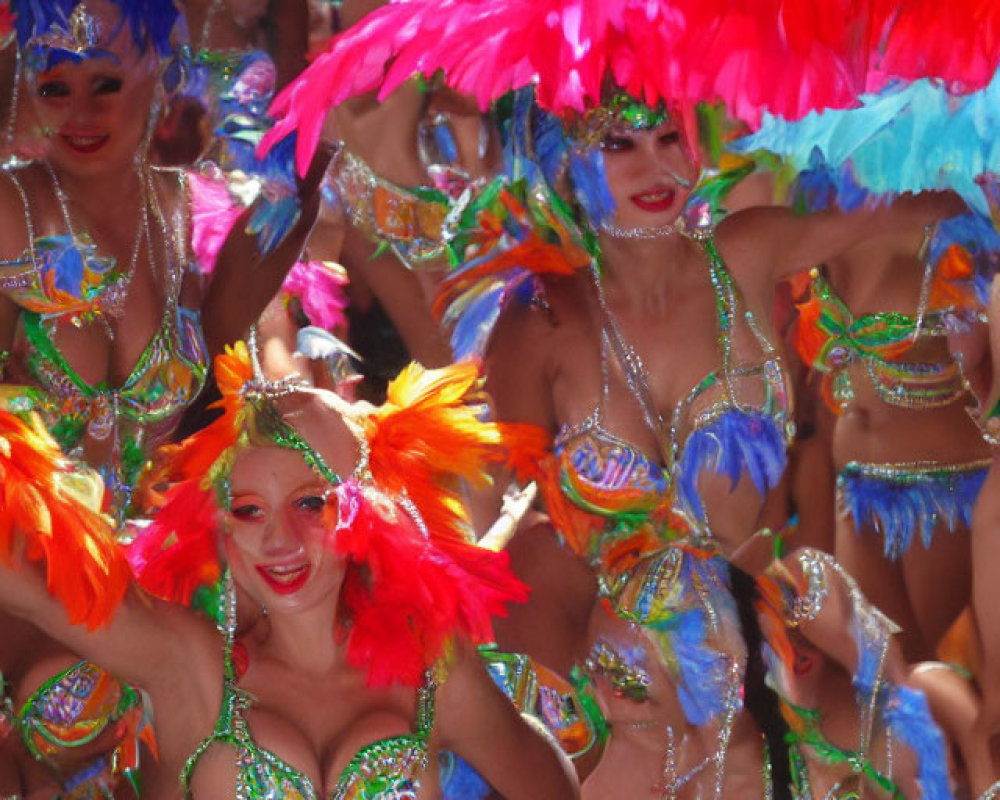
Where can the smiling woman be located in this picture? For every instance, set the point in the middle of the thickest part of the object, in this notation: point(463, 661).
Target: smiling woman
point(646, 199)
point(342, 522)
point(105, 332)
point(275, 537)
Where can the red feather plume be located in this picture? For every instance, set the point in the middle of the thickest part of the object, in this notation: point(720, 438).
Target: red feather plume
point(177, 553)
point(406, 595)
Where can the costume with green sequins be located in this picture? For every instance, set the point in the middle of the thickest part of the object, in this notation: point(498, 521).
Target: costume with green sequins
point(830, 338)
point(385, 770)
point(62, 279)
point(70, 711)
point(895, 499)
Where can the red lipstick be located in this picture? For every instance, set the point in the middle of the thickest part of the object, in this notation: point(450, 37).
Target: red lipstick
point(655, 200)
point(285, 578)
point(84, 143)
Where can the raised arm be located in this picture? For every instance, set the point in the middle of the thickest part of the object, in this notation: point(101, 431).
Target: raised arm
point(288, 37)
point(164, 649)
point(244, 280)
point(772, 242)
point(148, 643)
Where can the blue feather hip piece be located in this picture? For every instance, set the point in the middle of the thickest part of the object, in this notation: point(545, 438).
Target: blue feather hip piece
point(899, 500)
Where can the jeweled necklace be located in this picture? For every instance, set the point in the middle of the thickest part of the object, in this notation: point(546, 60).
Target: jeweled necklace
point(114, 304)
point(640, 232)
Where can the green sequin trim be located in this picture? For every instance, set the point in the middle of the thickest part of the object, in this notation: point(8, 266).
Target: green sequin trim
point(812, 737)
point(585, 695)
point(284, 435)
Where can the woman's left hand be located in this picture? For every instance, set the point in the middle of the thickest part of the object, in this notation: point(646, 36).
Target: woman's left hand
point(245, 279)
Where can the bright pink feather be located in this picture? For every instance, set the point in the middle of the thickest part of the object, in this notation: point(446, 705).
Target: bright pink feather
point(786, 56)
point(320, 288)
point(213, 214)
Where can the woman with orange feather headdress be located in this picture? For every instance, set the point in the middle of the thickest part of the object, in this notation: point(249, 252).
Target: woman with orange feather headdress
point(328, 516)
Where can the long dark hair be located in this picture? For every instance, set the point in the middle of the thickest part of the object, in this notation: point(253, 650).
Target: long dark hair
point(759, 699)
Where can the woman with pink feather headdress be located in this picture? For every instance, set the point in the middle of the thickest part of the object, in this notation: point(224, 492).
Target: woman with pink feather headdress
point(646, 341)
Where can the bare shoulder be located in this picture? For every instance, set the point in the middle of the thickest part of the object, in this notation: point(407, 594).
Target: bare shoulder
point(744, 239)
point(528, 329)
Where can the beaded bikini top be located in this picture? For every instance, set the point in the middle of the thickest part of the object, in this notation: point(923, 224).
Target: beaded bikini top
point(830, 338)
point(736, 420)
point(388, 769)
point(75, 708)
point(62, 279)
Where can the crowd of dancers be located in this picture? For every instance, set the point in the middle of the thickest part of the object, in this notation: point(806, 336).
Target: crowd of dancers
point(471, 399)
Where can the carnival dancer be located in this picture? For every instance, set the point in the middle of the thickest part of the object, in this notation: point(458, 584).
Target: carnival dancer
point(901, 343)
point(376, 559)
point(590, 233)
point(101, 318)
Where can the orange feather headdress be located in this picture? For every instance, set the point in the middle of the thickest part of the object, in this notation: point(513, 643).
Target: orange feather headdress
point(414, 578)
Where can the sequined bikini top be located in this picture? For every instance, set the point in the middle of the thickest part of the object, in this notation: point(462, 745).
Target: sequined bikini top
point(737, 420)
point(388, 769)
point(830, 338)
point(73, 709)
point(63, 279)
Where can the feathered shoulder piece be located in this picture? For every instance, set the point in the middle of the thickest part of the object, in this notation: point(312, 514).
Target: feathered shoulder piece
point(50, 513)
point(505, 238)
point(407, 594)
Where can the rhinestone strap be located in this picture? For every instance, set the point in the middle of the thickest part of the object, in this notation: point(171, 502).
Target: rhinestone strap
point(806, 607)
point(642, 232)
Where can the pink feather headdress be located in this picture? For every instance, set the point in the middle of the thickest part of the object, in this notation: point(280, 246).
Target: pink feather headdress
point(786, 56)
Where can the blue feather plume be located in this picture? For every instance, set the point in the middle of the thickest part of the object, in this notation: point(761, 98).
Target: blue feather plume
point(736, 443)
point(908, 716)
point(459, 780)
point(899, 507)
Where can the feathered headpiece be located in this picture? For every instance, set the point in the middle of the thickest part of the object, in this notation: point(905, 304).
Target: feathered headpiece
point(50, 31)
point(414, 579)
point(908, 138)
point(786, 56)
point(50, 513)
